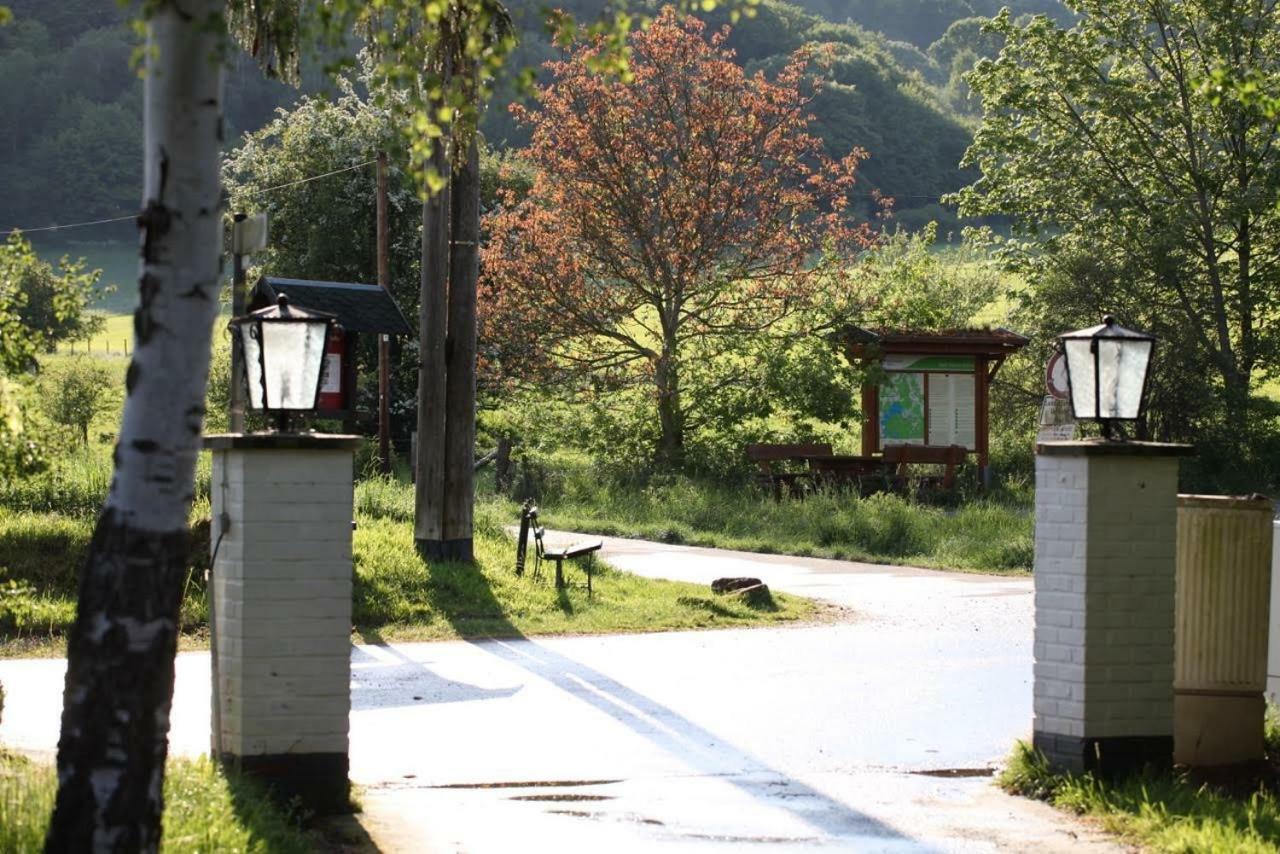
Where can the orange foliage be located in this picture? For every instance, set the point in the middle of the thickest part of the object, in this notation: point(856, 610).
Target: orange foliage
point(690, 201)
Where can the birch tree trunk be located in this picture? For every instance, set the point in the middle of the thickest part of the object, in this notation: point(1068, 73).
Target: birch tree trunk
point(119, 683)
point(460, 412)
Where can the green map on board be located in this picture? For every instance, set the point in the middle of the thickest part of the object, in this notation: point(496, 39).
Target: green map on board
point(902, 408)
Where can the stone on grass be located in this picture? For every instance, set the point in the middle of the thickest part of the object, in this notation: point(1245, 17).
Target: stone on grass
point(730, 585)
point(752, 591)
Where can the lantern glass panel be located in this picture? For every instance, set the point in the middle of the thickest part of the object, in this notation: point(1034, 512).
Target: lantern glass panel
point(1122, 369)
point(252, 361)
point(1080, 375)
point(295, 355)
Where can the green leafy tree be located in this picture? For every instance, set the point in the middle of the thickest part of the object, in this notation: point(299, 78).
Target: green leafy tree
point(39, 306)
point(54, 303)
point(1101, 141)
point(19, 344)
point(75, 391)
point(918, 285)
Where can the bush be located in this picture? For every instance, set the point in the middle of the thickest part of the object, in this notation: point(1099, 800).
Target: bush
point(74, 391)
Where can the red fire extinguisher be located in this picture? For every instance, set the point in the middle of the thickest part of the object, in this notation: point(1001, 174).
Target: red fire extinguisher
point(333, 392)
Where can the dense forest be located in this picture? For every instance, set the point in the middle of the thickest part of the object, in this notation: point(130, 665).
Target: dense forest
point(895, 89)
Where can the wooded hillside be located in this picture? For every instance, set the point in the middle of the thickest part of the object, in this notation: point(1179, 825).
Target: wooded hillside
point(72, 115)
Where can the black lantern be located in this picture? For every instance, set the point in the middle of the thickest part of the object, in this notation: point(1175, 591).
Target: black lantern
point(283, 354)
point(1107, 368)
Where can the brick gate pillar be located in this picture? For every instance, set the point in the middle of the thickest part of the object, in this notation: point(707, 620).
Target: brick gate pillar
point(281, 611)
point(1106, 528)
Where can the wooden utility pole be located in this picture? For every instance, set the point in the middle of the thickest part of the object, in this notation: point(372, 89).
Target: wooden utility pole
point(384, 342)
point(428, 509)
point(460, 412)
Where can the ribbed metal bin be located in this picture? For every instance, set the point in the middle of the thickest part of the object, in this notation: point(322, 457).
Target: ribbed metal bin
point(1273, 654)
point(1221, 627)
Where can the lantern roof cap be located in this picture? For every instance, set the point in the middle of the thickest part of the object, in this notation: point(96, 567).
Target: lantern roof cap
point(284, 310)
point(1109, 328)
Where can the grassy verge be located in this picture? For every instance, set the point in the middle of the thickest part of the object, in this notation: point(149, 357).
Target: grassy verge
point(1160, 812)
point(397, 596)
point(977, 536)
point(204, 810)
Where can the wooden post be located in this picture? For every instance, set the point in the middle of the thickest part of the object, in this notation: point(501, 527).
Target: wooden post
point(982, 418)
point(428, 524)
point(460, 407)
point(235, 407)
point(384, 354)
point(870, 419)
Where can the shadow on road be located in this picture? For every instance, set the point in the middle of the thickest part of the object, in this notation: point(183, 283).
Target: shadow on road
point(691, 743)
point(409, 683)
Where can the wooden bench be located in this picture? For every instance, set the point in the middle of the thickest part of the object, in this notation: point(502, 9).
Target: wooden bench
point(558, 555)
point(950, 456)
point(765, 456)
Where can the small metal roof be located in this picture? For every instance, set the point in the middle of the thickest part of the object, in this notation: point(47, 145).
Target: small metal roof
point(358, 307)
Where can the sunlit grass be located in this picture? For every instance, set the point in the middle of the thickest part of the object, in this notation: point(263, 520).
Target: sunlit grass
point(1159, 811)
point(397, 595)
point(205, 811)
point(978, 534)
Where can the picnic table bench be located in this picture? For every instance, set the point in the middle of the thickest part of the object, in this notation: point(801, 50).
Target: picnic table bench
point(889, 470)
point(557, 555)
point(767, 458)
point(948, 456)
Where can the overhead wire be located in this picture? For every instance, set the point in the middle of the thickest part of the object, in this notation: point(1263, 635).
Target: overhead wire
point(258, 192)
point(307, 180)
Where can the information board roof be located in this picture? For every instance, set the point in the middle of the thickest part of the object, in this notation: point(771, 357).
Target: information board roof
point(968, 342)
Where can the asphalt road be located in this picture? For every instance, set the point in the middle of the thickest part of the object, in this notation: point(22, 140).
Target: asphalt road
point(878, 733)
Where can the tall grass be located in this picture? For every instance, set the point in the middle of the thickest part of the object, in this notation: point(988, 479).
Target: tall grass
point(204, 810)
point(397, 595)
point(76, 483)
point(981, 534)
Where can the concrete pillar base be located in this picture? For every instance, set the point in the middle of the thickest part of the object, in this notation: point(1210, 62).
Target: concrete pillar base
point(1217, 729)
point(1107, 757)
point(318, 780)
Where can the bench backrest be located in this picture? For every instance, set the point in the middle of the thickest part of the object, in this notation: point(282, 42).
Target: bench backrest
point(762, 454)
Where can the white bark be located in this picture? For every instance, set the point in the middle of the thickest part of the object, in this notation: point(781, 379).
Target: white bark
point(180, 271)
point(119, 685)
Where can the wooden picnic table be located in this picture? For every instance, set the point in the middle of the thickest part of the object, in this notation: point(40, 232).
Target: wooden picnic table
point(845, 469)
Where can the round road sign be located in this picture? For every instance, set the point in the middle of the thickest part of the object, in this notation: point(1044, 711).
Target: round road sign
point(1055, 377)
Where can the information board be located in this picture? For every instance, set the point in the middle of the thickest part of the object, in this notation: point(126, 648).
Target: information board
point(902, 408)
point(952, 418)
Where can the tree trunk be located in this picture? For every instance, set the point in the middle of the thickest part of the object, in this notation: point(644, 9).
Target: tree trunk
point(428, 527)
point(460, 412)
point(670, 454)
point(502, 465)
point(119, 683)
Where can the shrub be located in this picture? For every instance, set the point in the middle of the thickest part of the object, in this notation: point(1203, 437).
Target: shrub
point(75, 391)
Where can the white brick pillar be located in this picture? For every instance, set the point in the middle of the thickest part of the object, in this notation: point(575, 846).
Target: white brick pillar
point(1106, 528)
point(282, 512)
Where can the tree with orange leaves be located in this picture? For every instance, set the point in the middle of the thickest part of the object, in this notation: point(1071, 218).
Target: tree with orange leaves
point(674, 212)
